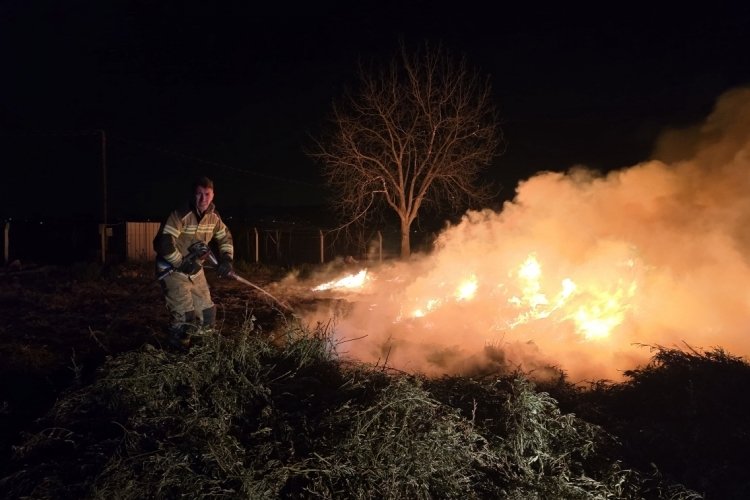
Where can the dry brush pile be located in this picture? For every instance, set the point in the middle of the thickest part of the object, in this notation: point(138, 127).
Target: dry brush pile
point(249, 416)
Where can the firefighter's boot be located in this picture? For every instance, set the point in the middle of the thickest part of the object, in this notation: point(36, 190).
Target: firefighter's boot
point(206, 327)
point(209, 318)
point(179, 332)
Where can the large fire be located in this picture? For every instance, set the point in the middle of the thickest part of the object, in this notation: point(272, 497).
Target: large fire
point(579, 271)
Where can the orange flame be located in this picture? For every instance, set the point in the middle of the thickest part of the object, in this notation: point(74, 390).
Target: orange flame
point(351, 282)
point(595, 310)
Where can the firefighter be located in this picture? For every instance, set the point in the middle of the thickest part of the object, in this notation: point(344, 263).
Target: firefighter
point(181, 247)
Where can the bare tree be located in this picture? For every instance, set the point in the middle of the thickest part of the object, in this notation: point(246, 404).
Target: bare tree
point(415, 133)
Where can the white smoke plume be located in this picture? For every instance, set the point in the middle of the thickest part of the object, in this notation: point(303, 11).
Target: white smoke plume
point(580, 270)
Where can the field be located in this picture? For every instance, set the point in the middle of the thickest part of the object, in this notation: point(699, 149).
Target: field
point(92, 404)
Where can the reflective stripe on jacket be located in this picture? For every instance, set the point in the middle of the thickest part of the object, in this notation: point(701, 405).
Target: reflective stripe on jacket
point(183, 228)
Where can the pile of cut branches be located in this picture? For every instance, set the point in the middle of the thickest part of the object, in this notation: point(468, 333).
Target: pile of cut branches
point(241, 416)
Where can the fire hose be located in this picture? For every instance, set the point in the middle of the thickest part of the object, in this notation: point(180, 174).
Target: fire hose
point(201, 251)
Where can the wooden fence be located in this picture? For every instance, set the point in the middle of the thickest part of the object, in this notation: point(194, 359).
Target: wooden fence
point(139, 241)
point(67, 242)
point(283, 246)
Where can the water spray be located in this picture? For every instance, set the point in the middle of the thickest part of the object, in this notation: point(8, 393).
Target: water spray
point(242, 280)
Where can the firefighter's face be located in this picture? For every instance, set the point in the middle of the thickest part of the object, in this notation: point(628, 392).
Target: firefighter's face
point(203, 198)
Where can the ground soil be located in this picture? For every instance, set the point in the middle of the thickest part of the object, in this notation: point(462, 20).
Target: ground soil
point(59, 324)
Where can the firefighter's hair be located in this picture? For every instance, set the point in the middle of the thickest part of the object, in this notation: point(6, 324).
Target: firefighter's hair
point(203, 182)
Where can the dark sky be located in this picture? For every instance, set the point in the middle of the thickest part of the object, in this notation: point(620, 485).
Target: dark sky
point(234, 89)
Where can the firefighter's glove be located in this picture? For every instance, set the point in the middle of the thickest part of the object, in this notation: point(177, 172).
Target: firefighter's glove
point(198, 251)
point(189, 266)
point(225, 267)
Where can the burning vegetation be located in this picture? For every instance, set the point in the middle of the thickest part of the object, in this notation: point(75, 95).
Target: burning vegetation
point(579, 270)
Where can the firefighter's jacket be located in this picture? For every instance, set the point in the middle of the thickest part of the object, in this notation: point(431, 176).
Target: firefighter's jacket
point(184, 227)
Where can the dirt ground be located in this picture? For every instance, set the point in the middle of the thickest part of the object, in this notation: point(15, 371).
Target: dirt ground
point(57, 325)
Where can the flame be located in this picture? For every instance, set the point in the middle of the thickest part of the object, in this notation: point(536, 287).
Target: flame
point(597, 313)
point(595, 310)
point(603, 311)
point(467, 289)
point(529, 275)
point(464, 291)
point(350, 282)
point(431, 305)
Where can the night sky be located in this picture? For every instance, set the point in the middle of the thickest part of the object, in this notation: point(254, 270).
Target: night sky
point(234, 90)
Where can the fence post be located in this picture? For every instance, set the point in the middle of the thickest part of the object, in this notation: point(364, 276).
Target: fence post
point(380, 246)
point(278, 245)
point(103, 242)
point(6, 242)
point(249, 252)
point(257, 246)
point(322, 246)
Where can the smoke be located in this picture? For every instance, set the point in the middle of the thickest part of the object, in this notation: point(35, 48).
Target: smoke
point(579, 271)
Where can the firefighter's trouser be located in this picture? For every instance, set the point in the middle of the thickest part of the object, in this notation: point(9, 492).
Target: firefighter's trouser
point(186, 294)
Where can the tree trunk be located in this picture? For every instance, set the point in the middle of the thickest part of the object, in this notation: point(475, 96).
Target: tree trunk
point(405, 239)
